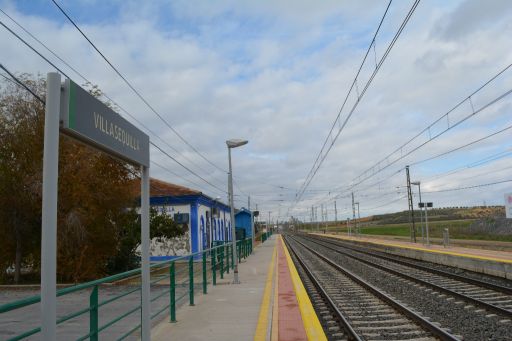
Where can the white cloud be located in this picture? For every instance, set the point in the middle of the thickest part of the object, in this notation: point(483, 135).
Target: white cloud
point(276, 73)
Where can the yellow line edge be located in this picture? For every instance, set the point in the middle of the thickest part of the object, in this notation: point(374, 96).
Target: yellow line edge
point(262, 326)
point(312, 325)
point(421, 249)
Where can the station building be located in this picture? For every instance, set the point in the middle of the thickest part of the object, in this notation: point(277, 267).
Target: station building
point(243, 225)
point(208, 219)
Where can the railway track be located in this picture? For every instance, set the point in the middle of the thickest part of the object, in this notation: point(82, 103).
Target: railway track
point(350, 308)
point(492, 297)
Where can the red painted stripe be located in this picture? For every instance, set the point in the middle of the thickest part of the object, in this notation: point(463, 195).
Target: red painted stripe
point(291, 326)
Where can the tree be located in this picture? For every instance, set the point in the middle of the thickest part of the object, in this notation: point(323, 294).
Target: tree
point(95, 207)
point(162, 226)
point(21, 128)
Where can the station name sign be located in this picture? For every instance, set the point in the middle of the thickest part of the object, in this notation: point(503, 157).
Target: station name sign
point(89, 120)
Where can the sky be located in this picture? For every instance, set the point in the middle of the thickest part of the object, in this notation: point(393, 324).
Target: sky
point(277, 73)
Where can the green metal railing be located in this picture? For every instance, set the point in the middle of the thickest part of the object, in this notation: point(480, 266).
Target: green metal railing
point(181, 272)
point(265, 236)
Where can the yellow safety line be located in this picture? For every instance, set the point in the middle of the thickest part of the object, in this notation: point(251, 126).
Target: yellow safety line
point(262, 327)
point(274, 336)
point(312, 325)
point(424, 249)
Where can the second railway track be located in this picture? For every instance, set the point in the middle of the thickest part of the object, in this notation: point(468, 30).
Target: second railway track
point(492, 297)
point(352, 309)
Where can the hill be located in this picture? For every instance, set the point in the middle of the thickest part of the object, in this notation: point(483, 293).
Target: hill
point(439, 214)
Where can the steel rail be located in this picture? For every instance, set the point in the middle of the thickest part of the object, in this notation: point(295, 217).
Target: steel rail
point(351, 333)
point(427, 325)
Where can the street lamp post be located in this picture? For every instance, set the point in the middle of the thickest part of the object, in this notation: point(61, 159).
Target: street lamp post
point(233, 144)
point(418, 183)
point(426, 205)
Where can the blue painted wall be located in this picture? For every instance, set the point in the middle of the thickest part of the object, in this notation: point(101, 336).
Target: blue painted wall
point(197, 225)
point(243, 221)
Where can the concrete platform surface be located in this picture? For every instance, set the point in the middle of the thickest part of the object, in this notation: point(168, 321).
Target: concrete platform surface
point(228, 311)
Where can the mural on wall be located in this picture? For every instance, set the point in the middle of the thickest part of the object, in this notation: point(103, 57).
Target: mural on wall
point(179, 246)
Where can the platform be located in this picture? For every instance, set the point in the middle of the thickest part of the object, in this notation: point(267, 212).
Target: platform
point(270, 304)
point(496, 263)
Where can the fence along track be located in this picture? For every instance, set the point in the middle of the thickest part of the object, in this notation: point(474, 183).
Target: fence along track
point(372, 314)
point(494, 300)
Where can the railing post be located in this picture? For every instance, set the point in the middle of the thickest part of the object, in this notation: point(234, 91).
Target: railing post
point(232, 256)
point(205, 289)
point(238, 251)
point(221, 261)
point(191, 279)
point(172, 293)
point(93, 314)
point(225, 252)
point(214, 266)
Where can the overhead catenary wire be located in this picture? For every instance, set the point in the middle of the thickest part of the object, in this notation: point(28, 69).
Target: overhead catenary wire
point(152, 143)
point(317, 164)
point(475, 112)
point(462, 147)
point(429, 159)
point(67, 76)
point(103, 93)
point(469, 187)
point(485, 106)
point(442, 117)
point(142, 98)
point(471, 165)
point(188, 169)
point(88, 81)
point(19, 82)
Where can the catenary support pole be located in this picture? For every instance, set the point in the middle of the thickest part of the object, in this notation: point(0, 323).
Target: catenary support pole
point(335, 214)
point(49, 209)
point(354, 214)
point(411, 206)
point(426, 225)
point(144, 231)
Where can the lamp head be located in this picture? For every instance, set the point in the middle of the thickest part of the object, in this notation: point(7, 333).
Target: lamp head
point(416, 183)
point(233, 143)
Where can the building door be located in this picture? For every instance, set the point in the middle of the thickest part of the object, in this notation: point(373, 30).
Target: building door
point(204, 234)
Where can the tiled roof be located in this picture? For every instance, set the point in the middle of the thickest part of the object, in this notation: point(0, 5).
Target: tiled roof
point(159, 188)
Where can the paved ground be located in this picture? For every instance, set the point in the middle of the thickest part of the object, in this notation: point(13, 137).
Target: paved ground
point(24, 319)
point(228, 312)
